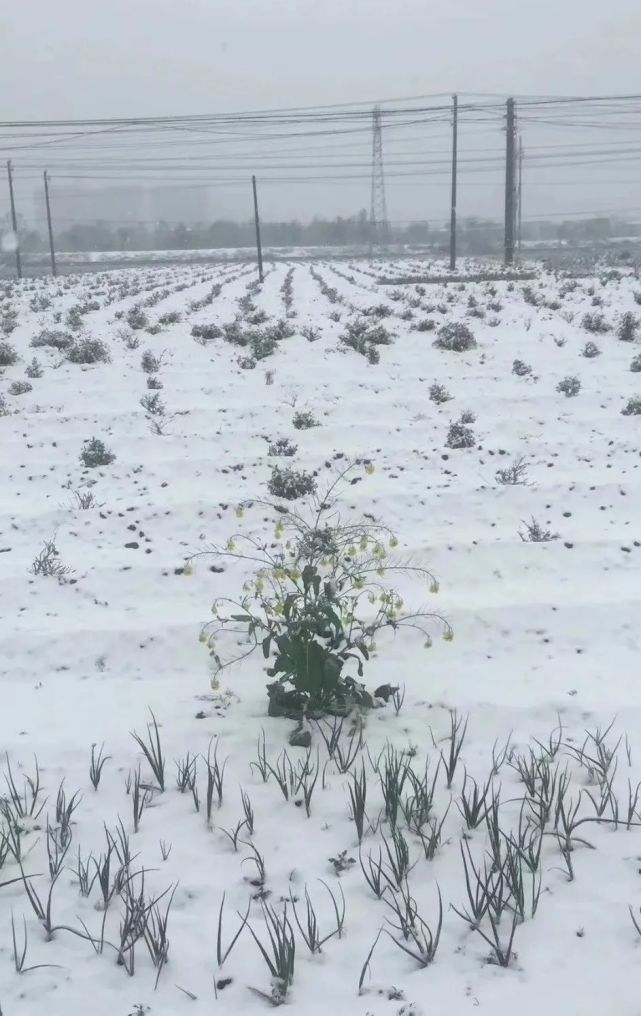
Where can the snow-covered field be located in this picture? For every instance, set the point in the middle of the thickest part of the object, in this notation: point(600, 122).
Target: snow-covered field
point(547, 636)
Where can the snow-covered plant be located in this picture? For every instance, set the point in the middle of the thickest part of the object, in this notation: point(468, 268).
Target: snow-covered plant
point(590, 350)
point(315, 605)
point(439, 394)
point(569, 386)
point(304, 420)
point(88, 351)
point(34, 369)
point(520, 368)
point(20, 387)
point(8, 354)
point(460, 435)
point(594, 323)
point(456, 337)
point(95, 453)
point(635, 365)
point(632, 407)
point(290, 484)
point(628, 327)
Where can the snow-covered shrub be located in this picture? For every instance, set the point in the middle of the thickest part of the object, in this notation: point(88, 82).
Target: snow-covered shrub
point(425, 325)
point(88, 351)
point(628, 327)
point(590, 350)
point(95, 453)
point(51, 337)
point(154, 382)
point(535, 533)
point(460, 435)
point(137, 319)
point(304, 420)
point(34, 369)
point(635, 365)
point(282, 446)
point(362, 336)
point(8, 354)
point(290, 484)
point(206, 333)
point(439, 394)
point(569, 386)
point(456, 337)
point(20, 388)
point(310, 333)
point(149, 362)
point(594, 323)
point(632, 407)
point(520, 368)
point(170, 317)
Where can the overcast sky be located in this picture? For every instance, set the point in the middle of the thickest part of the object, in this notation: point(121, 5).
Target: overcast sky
point(104, 58)
point(68, 58)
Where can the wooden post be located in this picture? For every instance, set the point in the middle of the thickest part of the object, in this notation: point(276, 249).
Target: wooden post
point(510, 182)
point(259, 249)
point(49, 226)
point(454, 182)
point(14, 220)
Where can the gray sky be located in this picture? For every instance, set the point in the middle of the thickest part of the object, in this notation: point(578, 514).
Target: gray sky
point(105, 58)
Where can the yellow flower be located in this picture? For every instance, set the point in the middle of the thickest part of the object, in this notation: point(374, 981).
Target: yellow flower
point(393, 542)
point(364, 542)
point(239, 512)
point(230, 544)
point(428, 644)
point(202, 637)
point(188, 570)
point(215, 684)
point(380, 571)
point(449, 635)
point(369, 468)
point(434, 587)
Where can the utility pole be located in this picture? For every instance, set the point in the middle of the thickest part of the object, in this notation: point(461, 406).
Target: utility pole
point(454, 181)
point(520, 196)
point(14, 220)
point(510, 181)
point(51, 247)
point(259, 249)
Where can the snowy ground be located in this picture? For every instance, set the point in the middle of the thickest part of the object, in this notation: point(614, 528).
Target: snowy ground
point(546, 633)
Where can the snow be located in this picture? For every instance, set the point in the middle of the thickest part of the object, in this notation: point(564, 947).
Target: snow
point(545, 633)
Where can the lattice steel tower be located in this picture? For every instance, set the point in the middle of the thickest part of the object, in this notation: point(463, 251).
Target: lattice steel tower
point(379, 226)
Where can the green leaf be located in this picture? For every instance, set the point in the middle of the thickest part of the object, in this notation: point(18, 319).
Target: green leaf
point(267, 641)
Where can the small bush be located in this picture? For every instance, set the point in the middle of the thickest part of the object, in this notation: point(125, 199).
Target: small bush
point(153, 404)
point(290, 484)
point(595, 323)
point(467, 417)
point(633, 406)
point(34, 369)
point(206, 333)
point(361, 336)
point(170, 317)
point(48, 563)
point(150, 363)
point(513, 475)
point(20, 388)
point(154, 382)
point(439, 394)
point(283, 446)
point(137, 319)
point(456, 337)
point(460, 435)
point(310, 333)
point(635, 365)
point(569, 386)
point(535, 533)
point(590, 350)
point(628, 327)
point(55, 339)
point(94, 453)
point(8, 354)
point(426, 325)
point(4, 409)
point(304, 420)
point(520, 368)
point(88, 351)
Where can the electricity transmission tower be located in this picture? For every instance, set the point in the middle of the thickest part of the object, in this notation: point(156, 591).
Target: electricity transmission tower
point(379, 226)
